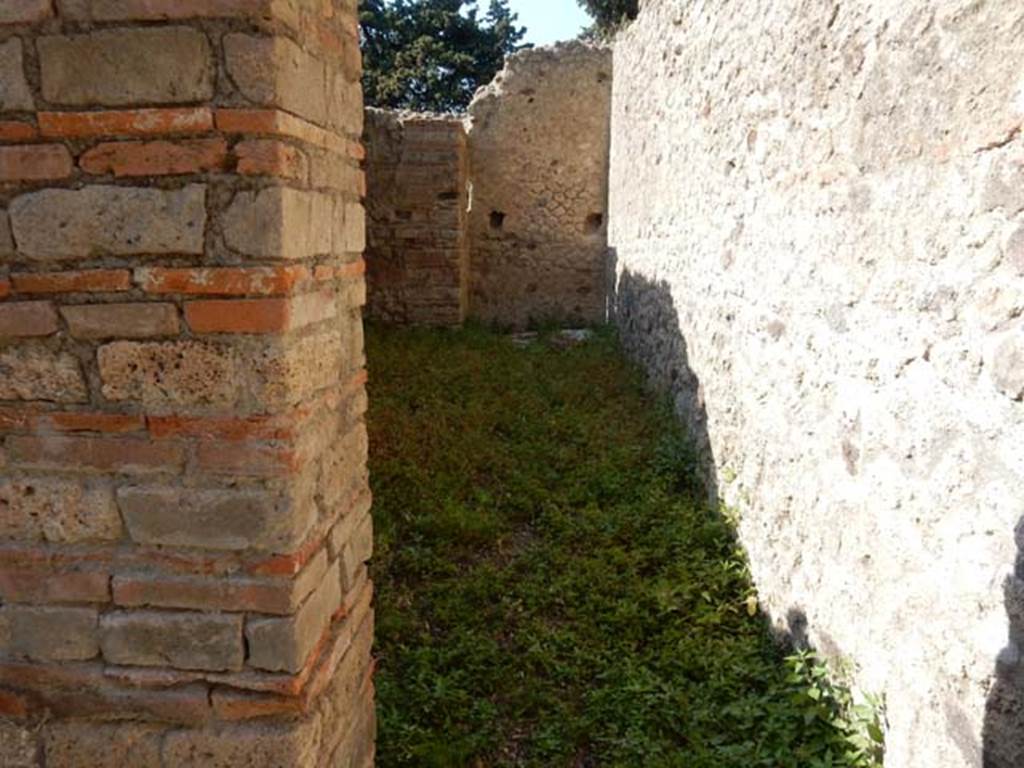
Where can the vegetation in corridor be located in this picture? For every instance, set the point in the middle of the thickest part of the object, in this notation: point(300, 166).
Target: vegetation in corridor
point(552, 591)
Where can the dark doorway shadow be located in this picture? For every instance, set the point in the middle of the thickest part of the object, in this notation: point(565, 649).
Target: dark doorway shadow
point(1003, 732)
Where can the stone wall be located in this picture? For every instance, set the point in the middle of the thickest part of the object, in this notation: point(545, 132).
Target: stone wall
point(417, 251)
point(539, 159)
point(532, 247)
point(183, 498)
point(817, 214)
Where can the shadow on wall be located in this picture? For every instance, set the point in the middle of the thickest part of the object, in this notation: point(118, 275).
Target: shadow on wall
point(1003, 734)
point(648, 324)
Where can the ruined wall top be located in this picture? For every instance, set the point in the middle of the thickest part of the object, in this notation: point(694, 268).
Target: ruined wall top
point(539, 137)
point(536, 173)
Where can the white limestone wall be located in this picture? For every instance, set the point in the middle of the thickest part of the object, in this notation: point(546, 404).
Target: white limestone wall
point(817, 222)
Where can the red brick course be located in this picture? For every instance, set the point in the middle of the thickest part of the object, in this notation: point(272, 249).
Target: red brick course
point(35, 162)
point(130, 122)
point(155, 158)
point(87, 281)
point(27, 318)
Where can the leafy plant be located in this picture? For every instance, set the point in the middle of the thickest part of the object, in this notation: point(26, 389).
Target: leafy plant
point(857, 728)
point(553, 589)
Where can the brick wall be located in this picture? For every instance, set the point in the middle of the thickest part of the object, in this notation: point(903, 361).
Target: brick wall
point(183, 500)
point(417, 250)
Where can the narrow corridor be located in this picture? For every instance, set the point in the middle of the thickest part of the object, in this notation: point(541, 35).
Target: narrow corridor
point(551, 590)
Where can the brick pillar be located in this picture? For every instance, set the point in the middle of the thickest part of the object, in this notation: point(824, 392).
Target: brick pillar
point(184, 512)
point(417, 251)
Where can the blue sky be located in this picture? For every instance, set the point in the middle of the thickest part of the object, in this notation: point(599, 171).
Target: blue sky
point(548, 20)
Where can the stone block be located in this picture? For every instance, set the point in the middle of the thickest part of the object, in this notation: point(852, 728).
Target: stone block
point(275, 72)
point(40, 373)
point(77, 743)
point(164, 10)
point(233, 458)
point(285, 644)
point(351, 237)
point(57, 224)
point(206, 641)
point(280, 223)
point(119, 67)
point(18, 744)
point(231, 519)
point(344, 465)
point(245, 745)
point(356, 552)
point(345, 96)
point(15, 95)
point(127, 321)
point(57, 511)
point(162, 374)
point(48, 634)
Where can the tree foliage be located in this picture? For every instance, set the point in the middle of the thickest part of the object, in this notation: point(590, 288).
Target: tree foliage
point(432, 55)
point(610, 15)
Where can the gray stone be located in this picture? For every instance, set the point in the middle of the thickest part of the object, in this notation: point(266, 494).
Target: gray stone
point(48, 634)
point(25, 11)
point(284, 644)
point(180, 640)
point(244, 746)
point(18, 745)
point(73, 744)
point(274, 71)
point(280, 223)
point(57, 224)
point(121, 67)
point(234, 519)
point(15, 95)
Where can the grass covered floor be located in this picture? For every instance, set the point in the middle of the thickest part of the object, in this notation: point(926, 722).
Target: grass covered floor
point(550, 591)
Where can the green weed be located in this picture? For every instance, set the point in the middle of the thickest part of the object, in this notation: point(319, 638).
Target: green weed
point(552, 587)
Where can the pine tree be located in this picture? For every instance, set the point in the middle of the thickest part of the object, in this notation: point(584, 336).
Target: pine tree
point(432, 55)
point(609, 15)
